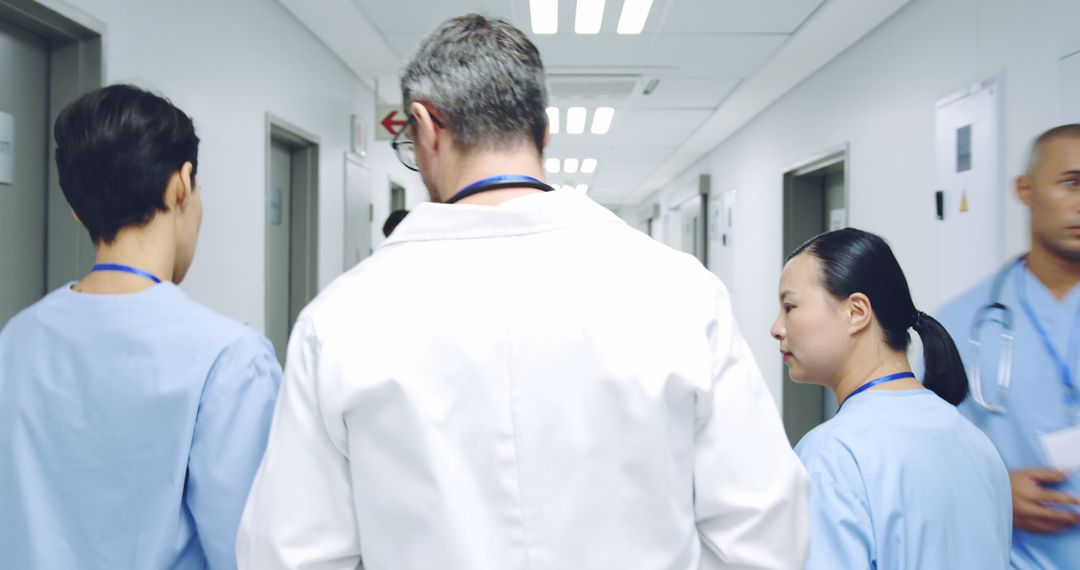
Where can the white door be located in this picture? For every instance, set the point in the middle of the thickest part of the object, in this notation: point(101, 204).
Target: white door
point(357, 210)
point(968, 172)
point(23, 163)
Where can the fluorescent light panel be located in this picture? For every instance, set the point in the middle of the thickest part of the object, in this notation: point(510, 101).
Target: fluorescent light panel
point(553, 120)
point(588, 166)
point(575, 120)
point(589, 16)
point(570, 166)
point(552, 165)
point(545, 16)
point(601, 120)
point(633, 17)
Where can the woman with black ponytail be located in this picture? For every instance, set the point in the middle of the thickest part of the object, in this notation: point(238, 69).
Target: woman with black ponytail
point(900, 479)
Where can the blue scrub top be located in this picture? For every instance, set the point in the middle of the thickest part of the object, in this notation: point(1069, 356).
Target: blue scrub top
point(131, 427)
point(900, 480)
point(1036, 400)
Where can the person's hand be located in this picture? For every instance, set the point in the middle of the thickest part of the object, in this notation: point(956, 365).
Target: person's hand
point(1031, 501)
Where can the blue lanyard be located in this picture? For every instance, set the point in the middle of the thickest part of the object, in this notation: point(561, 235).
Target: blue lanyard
point(1063, 365)
point(875, 382)
point(498, 183)
point(125, 269)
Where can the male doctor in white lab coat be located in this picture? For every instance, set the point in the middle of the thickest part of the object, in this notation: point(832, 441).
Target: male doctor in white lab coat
point(517, 379)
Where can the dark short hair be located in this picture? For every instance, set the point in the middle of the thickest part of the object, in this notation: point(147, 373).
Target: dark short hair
point(1070, 131)
point(486, 80)
point(855, 261)
point(116, 148)
point(392, 221)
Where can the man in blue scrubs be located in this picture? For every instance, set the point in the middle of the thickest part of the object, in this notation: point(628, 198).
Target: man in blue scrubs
point(1020, 402)
point(132, 419)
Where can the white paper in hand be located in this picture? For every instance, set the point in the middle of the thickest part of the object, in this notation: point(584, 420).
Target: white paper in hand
point(1062, 448)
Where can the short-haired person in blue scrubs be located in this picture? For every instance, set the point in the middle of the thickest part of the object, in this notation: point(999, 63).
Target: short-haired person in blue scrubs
point(899, 479)
point(1019, 334)
point(132, 419)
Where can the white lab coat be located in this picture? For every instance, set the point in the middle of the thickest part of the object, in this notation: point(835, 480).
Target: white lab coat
point(533, 385)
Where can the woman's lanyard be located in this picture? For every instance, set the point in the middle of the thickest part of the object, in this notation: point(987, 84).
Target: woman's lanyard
point(125, 269)
point(875, 382)
point(498, 183)
point(1072, 400)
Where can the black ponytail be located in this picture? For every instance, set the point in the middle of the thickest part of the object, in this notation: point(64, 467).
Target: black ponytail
point(854, 261)
point(944, 369)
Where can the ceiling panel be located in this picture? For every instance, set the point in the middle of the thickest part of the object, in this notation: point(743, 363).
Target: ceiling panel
point(620, 179)
point(695, 93)
point(737, 16)
point(638, 121)
point(700, 50)
point(403, 43)
point(424, 15)
point(570, 50)
point(714, 55)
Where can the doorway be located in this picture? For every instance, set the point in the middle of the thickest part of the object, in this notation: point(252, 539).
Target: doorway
point(397, 196)
point(815, 201)
point(685, 226)
point(292, 228)
point(47, 59)
point(24, 117)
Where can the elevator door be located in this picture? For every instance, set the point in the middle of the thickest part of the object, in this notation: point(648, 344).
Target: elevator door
point(24, 65)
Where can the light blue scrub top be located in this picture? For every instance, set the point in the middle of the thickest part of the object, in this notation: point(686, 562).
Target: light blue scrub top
point(1035, 402)
point(131, 427)
point(900, 480)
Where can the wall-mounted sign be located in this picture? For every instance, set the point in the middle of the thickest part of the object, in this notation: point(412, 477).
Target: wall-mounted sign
point(359, 136)
point(7, 148)
point(390, 120)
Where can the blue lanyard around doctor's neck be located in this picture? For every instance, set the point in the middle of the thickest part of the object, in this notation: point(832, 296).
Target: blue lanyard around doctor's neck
point(498, 183)
point(125, 269)
point(1064, 368)
point(875, 382)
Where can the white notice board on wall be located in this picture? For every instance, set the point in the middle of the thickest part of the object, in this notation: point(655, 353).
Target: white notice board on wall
point(967, 170)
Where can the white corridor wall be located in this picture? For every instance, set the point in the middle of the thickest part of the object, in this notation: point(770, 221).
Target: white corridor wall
point(879, 97)
point(228, 64)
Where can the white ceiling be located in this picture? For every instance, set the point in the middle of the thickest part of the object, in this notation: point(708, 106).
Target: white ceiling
point(703, 52)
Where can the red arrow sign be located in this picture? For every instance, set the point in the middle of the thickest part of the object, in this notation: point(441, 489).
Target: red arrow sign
point(390, 124)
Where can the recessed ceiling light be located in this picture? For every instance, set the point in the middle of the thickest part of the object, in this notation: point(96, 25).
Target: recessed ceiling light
point(588, 166)
point(553, 120)
point(632, 19)
point(589, 16)
point(575, 120)
point(601, 120)
point(552, 165)
point(570, 166)
point(545, 16)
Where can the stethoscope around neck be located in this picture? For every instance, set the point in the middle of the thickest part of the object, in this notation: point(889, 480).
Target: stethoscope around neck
point(997, 312)
point(993, 312)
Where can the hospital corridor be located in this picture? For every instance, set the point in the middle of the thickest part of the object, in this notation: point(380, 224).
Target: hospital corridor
point(539, 284)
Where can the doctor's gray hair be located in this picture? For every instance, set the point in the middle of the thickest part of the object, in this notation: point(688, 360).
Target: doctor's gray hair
point(484, 79)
